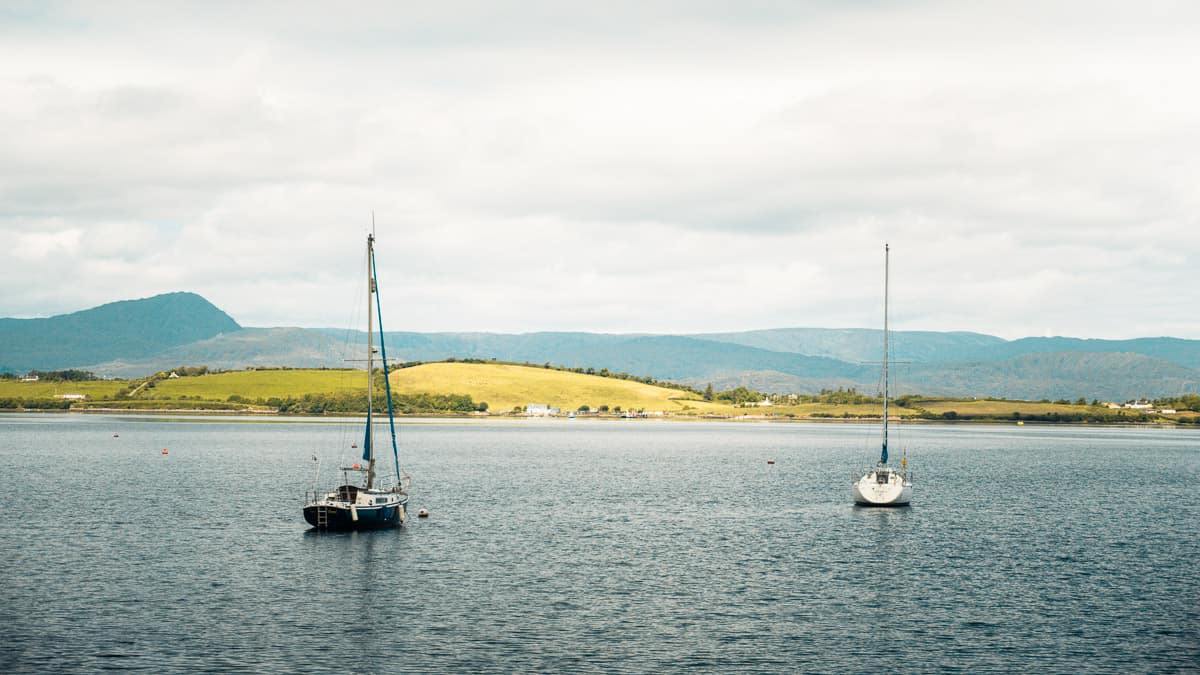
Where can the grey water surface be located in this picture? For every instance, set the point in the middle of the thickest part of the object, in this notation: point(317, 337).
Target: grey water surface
point(568, 546)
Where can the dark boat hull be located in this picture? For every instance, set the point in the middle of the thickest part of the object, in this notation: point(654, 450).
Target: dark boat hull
point(338, 518)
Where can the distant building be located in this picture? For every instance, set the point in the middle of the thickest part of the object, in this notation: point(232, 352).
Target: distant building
point(71, 397)
point(173, 376)
point(1167, 411)
point(32, 377)
point(1138, 405)
point(540, 410)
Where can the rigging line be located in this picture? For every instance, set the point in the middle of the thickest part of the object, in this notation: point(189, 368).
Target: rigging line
point(387, 384)
point(350, 338)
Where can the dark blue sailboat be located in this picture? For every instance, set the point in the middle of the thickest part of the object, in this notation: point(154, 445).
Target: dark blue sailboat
point(376, 502)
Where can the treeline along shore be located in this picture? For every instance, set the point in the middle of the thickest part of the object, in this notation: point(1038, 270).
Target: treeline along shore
point(475, 387)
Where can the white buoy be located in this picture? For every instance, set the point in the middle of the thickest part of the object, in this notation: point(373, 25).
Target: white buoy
point(423, 513)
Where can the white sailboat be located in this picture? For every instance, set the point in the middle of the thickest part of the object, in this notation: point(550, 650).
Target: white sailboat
point(883, 485)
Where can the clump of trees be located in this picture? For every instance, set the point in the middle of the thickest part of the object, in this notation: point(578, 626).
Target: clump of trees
point(1184, 402)
point(346, 402)
point(34, 404)
point(70, 375)
point(739, 396)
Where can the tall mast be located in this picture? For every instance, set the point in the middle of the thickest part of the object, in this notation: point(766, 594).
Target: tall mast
point(370, 442)
point(883, 456)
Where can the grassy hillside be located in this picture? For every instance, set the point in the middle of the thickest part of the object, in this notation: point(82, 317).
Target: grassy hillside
point(1001, 408)
point(506, 386)
point(96, 389)
point(820, 410)
point(439, 388)
point(255, 384)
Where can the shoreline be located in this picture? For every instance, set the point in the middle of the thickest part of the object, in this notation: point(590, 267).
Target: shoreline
point(300, 417)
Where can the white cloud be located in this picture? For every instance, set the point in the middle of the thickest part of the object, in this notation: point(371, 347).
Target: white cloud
point(636, 167)
point(38, 246)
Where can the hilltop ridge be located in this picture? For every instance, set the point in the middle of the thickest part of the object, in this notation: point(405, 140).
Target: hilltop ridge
point(136, 337)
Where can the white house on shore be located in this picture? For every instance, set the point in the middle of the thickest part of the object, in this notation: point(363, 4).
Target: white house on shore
point(540, 410)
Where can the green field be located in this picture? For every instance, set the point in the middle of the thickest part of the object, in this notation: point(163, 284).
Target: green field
point(96, 389)
point(1003, 408)
point(256, 384)
point(838, 410)
point(504, 387)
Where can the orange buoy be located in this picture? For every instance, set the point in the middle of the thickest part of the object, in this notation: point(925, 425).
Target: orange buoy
point(164, 451)
point(356, 465)
point(423, 513)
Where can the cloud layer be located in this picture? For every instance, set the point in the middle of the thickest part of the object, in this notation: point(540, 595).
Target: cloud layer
point(628, 167)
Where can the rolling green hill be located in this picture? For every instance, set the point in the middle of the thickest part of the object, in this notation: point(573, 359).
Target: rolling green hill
point(504, 386)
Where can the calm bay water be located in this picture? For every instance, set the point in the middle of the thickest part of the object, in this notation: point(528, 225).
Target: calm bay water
point(599, 546)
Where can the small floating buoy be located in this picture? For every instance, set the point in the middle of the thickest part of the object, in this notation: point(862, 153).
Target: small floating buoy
point(423, 513)
point(356, 465)
point(164, 451)
point(354, 445)
point(770, 461)
point(116, 435)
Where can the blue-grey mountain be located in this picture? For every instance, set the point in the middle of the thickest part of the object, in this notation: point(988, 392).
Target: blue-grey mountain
point(133, 338)
point(127, 329)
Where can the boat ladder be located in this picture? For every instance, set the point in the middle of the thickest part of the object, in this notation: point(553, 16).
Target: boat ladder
point(323, 517)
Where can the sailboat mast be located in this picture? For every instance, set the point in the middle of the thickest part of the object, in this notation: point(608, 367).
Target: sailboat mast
point(884, 455)
point(370, 442)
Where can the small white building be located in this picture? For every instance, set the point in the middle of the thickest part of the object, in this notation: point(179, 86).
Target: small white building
point(30, 378)
point(71, 397)
point(540, 410)
point(1138, 405)
point(1167, 411)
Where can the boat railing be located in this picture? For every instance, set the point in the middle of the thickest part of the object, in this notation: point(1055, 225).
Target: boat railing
point(906, 475)
point(391, 485)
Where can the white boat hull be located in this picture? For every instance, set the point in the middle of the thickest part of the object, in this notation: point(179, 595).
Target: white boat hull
point(894, 489)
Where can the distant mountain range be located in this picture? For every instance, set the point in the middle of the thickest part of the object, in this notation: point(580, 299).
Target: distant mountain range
point(136, 337)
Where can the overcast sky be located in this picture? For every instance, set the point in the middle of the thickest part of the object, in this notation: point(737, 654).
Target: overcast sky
point(606, 166)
